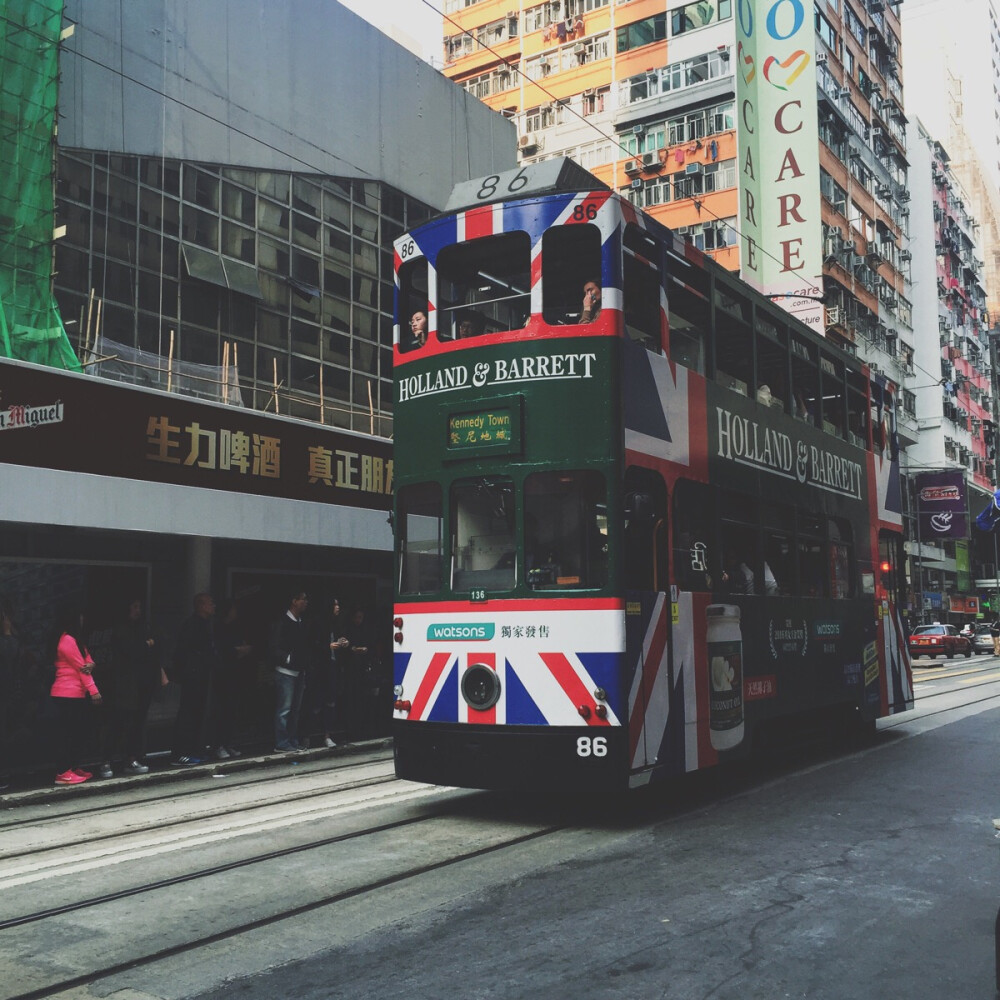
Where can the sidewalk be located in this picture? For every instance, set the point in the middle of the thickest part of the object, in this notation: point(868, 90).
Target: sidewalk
point(43, 790)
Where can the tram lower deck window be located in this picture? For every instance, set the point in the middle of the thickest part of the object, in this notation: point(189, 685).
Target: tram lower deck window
point(419, 538)
point(483, 543)
point(565, 530)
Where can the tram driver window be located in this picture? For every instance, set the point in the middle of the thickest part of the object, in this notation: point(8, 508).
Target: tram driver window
point(565, 530)
point(413, 304)
point(483, 544)
point(418, 538)
point(571, 257)
point(486, 283)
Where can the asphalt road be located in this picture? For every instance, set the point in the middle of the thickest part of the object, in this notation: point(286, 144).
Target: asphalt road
point(826, 874)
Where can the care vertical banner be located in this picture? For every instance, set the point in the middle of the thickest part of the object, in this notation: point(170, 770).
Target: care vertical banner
point(778, 146)
point(941, 504)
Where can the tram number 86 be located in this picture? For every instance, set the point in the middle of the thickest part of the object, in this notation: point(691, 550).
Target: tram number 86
point(592, 747)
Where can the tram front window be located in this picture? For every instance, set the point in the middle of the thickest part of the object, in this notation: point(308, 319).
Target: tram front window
point(483, 545)
point(419, 520)
point(565, 530)
point(485, 283)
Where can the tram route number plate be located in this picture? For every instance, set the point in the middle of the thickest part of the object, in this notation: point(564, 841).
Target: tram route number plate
point(592, 746)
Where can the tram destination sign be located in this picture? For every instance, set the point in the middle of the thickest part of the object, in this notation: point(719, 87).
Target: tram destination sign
point(489, 428)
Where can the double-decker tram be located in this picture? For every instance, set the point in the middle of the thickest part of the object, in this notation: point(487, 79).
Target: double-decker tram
point(641, 513)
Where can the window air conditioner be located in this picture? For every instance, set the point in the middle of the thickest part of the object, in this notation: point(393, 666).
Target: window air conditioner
point(638, 129)
point(636, 184)
point(877, 132)
point(844, 92)
point(632, 167)
point(650, 160)
point(833, 316)
point(526, 142)
point(822, 58)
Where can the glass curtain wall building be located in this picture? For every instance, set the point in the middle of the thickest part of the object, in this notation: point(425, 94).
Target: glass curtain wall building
point(292, 271)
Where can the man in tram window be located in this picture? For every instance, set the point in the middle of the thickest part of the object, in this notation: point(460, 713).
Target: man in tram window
point(591, 302)
point(737, 577)
point(470, 324)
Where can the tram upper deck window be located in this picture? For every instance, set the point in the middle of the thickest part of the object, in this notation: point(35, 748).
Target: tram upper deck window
point(857, 409)
point(641, 267)
point(419, 535)
point(805, 381)
point(571, 256)
point(834, 392)
point(733, 340)
point(483, 543)
point(565, 530)
point(689, 312)
point(413, 302)
point(772, 360)
point(486, 282)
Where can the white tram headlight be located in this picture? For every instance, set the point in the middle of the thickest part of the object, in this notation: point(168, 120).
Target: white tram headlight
point(398, 690)
point(480, 687)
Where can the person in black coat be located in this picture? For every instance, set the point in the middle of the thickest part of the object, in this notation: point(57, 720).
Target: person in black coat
point(289, 650)
point(195, 662)
point(134, 677)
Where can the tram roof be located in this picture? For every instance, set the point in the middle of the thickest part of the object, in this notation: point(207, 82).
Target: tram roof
point(558, 175)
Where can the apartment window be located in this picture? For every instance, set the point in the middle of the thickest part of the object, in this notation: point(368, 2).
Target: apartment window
point(644, 32)
point(699, 15)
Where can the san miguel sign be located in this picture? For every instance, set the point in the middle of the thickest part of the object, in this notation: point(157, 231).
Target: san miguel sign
point(19, 416)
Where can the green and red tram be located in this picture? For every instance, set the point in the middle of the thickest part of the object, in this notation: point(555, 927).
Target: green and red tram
point(641, 512)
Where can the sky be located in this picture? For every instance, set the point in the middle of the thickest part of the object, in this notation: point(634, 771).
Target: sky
point(405, 17)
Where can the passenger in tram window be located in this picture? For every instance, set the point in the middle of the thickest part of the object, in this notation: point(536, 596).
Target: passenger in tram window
point(470, 324)
point(770, 583)
point(591, 302)
point(418, 331)
point(737, 577)
point(194, 664)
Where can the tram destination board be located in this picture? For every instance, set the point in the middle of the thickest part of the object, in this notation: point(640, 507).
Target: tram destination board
point(492, 428)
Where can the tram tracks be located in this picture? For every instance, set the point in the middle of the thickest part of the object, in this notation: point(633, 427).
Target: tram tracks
point(49, 833)
point(378, 853)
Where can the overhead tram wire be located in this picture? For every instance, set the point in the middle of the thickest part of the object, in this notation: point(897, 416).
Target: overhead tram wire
point(700, 205)
point(321, 170)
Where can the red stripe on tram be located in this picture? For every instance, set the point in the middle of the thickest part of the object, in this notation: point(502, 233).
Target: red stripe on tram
point(438, 662)
point(479, 222)
point(567, 679)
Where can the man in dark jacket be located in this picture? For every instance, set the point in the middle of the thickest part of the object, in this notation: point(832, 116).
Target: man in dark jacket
point(195, 661)
point(289, 648)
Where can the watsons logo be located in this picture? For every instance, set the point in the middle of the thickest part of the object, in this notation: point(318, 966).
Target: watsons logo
point(475, 631)
point(502, 371)
point(745, 441)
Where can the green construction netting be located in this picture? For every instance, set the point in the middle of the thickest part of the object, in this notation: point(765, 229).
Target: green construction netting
point(31, 328)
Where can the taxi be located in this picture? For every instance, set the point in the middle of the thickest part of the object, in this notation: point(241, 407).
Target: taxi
point(933, 640)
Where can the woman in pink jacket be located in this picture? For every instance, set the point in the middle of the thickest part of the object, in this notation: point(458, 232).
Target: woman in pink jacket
point(70, 692)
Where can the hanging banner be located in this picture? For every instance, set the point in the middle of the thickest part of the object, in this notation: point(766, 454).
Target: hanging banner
point(941, 505)
point(781, 252)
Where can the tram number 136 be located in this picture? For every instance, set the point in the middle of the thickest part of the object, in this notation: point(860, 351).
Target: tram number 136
point(596, 746)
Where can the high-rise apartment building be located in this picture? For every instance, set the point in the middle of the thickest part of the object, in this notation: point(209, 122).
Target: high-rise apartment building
point(643, 94)
point(955, 88)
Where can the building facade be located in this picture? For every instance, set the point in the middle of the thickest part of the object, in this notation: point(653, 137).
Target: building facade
point(229, 195)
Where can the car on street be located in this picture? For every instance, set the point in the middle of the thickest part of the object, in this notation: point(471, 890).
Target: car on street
point(982, 641)
point(935, 640)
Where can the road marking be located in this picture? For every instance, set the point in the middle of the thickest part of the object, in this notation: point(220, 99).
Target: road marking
point(982, 677)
